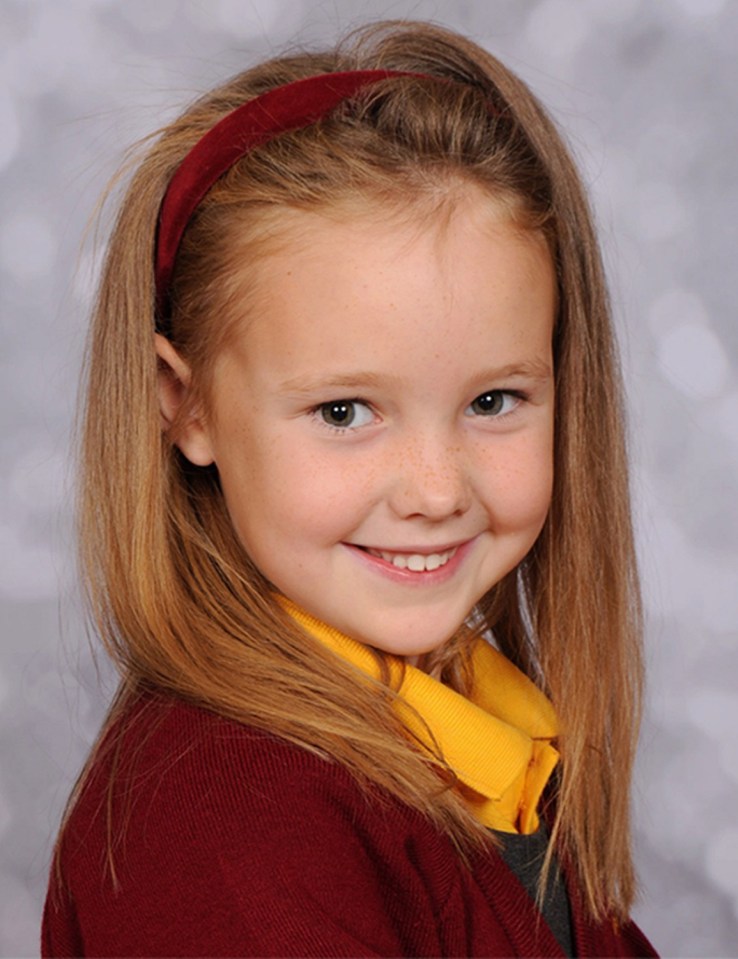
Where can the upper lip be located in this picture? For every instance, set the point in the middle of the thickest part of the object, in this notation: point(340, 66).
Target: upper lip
point(417, 550)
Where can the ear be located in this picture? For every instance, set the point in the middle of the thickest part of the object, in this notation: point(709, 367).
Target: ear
point(192, 436)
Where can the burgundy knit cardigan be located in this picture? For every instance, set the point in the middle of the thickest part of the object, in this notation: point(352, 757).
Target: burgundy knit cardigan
point(229, 842)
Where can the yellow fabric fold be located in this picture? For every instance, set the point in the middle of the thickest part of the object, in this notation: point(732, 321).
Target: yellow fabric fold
point(498, 742)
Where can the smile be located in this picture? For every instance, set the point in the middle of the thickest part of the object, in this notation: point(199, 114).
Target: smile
point(415, 562)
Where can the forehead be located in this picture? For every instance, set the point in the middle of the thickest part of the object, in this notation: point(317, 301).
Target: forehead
point(348, 244)
point(385, 291)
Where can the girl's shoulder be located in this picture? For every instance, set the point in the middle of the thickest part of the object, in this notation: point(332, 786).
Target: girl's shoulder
point(167, 756)
point(237, 836)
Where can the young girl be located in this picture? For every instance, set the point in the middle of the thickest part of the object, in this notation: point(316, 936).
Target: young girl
point(355, 526)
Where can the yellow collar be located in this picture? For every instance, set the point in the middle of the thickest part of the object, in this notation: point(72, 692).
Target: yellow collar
point(498, 742)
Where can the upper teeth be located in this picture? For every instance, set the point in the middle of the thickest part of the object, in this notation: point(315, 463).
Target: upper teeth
point(416, 562)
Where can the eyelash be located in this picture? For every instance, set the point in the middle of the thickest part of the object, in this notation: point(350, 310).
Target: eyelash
point(318, 411)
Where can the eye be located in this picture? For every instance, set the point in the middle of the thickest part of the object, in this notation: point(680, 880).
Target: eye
point(345, 414)
point(493, 403)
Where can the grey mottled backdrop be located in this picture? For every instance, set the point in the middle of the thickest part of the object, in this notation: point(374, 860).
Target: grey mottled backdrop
point(647, 92)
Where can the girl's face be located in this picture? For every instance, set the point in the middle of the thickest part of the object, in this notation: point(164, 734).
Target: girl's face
point(383, 423)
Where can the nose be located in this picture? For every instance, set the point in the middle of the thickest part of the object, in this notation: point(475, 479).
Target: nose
point(430, 480)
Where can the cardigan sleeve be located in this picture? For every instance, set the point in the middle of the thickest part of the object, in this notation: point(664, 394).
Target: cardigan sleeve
point(229, 842)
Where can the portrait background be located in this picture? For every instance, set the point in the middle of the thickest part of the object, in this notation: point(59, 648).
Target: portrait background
point(646, 92)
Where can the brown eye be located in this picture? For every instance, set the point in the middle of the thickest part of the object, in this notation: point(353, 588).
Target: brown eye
point(488, 404)
point(345, 413)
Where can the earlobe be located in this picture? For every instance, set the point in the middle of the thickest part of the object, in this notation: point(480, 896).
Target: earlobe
point(186, 422)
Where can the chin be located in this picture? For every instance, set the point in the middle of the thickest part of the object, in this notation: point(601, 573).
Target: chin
point(412, 649)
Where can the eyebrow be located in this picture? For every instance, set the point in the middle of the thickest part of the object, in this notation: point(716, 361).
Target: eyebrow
point(535, 369)
point(363, 380)
point(539, 370)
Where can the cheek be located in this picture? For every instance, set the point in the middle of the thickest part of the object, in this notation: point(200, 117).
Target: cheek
point(280, 488)
point(520, 486)
point(249, 483)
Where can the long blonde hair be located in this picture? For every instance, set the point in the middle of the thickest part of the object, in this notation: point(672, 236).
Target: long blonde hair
point(175, 598)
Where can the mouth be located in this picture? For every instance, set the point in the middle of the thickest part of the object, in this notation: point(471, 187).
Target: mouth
point(414, 562)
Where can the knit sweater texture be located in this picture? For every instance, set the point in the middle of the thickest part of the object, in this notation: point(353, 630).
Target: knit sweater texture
point(226, 841)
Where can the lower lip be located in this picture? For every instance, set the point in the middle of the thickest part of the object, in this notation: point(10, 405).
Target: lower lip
point(407, 577)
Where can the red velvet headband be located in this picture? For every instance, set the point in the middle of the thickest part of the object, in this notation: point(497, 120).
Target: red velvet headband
point(284, 108)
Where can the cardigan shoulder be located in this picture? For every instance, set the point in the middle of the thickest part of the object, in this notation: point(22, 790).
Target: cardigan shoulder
point(214, 838)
